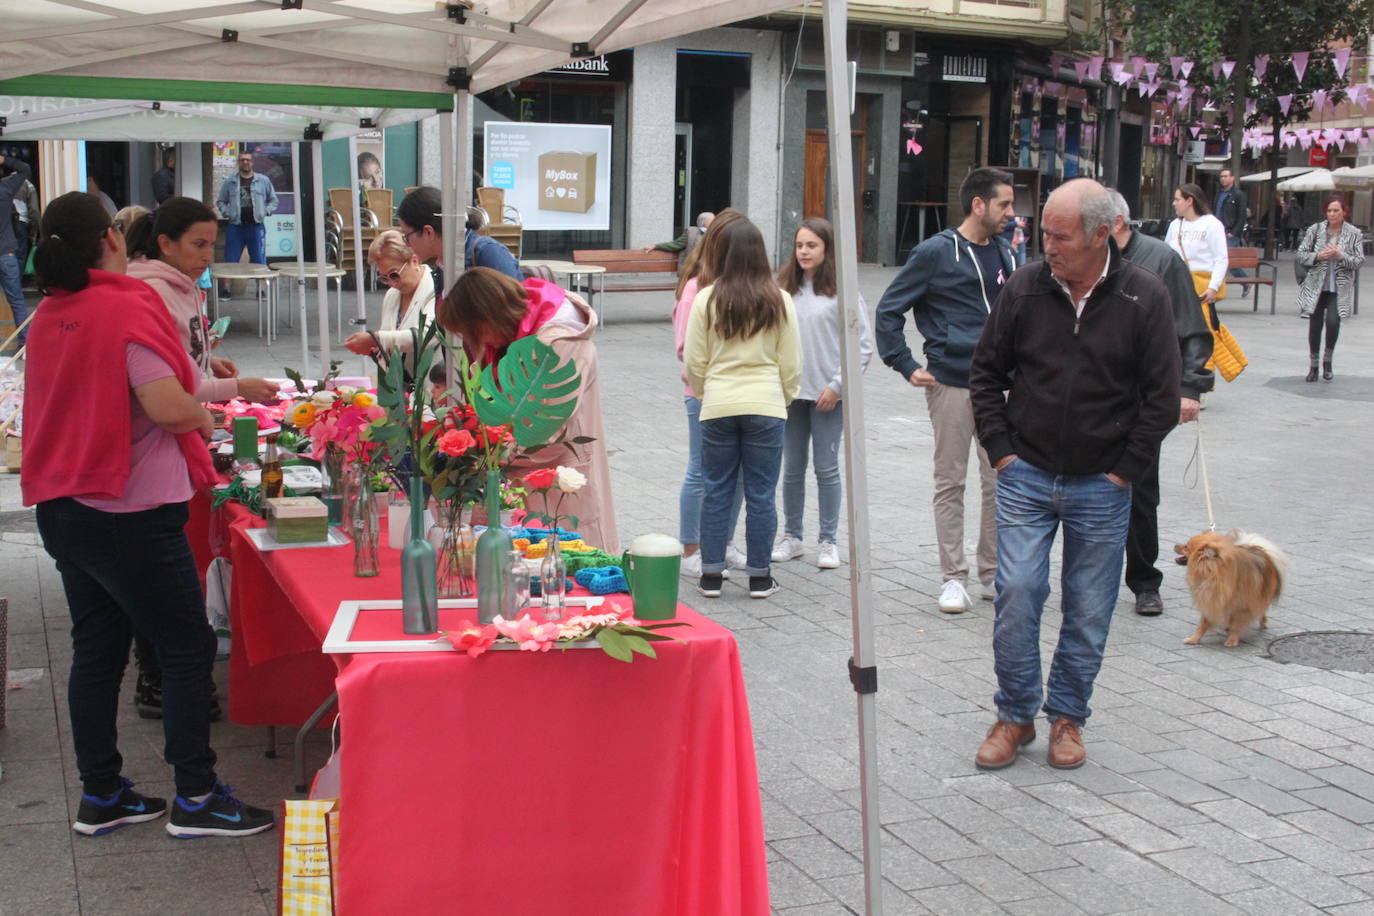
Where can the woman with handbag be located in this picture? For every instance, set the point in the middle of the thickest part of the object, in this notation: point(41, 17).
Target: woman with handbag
point(1200, 239)
point(1330, 253)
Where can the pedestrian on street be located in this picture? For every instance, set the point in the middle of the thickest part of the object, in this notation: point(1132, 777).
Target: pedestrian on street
point(1074, 384)
point(15, 171)
point(1195, 349)
point(1232, 208)
point(815, 419)
point(246, 199)
point(1333, 251)
point(949, 283)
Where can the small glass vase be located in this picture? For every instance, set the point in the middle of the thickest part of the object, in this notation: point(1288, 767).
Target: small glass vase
point(332, 485)
point(518, 598)
point(492, 546)
point(419, 596)
point(553, 580)
point(455, 553)
point(366, 531)
point(353, 486)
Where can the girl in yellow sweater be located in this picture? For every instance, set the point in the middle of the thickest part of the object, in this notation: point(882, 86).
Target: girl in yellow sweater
point(743, 357)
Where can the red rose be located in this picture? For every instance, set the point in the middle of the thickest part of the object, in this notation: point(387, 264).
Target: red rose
point(427, 425)
point(455, 442)
point(495, 435)
point(541, 479)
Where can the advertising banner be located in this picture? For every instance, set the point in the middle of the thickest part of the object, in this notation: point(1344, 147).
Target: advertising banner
point(557, 175)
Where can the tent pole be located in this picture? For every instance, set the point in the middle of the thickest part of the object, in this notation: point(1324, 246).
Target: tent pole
point(449, 124)
point(321, 280)
point(296, 151)
point(863, 671)
point(359, 271)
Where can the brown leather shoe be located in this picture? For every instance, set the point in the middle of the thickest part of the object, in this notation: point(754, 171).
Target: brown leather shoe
point(1003, 743)
point(1066, 745)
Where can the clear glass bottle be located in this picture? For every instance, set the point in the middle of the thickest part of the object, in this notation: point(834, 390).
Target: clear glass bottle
point(331, 491)
point(553, 579)
point(272, 479)
point(492, 547)
point(419, 596)
point(366, 531)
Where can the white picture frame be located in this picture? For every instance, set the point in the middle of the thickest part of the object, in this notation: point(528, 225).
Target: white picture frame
point(339, 640)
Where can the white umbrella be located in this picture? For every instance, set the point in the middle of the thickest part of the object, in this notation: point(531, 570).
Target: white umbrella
point(1354, 179)
point(1315, 180)
point(1287, 171)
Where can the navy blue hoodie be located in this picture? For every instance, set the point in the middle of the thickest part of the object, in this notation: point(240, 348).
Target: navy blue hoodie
point(943, 285)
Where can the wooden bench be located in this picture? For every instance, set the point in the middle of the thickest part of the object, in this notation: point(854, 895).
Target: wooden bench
point(638, 264)
point(1249, 259)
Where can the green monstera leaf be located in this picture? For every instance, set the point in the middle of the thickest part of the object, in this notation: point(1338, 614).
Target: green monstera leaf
point(530, 390)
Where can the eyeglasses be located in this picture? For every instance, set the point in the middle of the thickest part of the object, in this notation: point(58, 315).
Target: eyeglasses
point(392, 277)
point(405, 236)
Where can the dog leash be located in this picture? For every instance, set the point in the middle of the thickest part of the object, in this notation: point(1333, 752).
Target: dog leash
point(1200, 457)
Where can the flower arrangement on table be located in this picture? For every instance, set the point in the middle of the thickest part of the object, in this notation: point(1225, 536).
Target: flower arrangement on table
point(615, 630)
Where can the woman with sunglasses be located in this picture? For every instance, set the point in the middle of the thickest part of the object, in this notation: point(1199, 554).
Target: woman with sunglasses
point(411, 295)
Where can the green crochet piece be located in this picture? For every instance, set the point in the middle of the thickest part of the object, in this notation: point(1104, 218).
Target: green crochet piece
point(588, 559)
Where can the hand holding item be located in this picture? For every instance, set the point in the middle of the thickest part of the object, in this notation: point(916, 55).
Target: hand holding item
point(827, 399)
point(1209, 296)
point(257, 390)
point(1188, 410)
point(223, 368)
point(361, 343)
point(922, 379)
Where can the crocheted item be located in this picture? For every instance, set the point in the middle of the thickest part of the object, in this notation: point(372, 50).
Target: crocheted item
point(538, 534)
point(535, 551)
point(590, 559)
point(604, 580)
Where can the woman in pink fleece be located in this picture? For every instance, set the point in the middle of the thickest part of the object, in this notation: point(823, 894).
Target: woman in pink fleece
point(169, 250)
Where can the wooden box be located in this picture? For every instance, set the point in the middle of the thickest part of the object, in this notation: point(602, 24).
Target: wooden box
point(297, 519)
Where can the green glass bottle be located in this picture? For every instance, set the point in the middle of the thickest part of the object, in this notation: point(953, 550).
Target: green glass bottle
point(419, 595)
point(492, 547)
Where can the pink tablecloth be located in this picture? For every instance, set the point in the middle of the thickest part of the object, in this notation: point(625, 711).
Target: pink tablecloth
point(513, 783)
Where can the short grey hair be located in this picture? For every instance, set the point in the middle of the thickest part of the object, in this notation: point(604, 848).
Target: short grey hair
point(1123, 209)
point(1098, 209)
point(704, 217)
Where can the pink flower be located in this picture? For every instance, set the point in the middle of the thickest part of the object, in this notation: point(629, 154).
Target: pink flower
point(531, 636)
point(456, 442)
point(472, 638)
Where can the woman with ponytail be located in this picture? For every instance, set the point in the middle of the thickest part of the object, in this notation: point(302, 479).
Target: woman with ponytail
point(117, 441)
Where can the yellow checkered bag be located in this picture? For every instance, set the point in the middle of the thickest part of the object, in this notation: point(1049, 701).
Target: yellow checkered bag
point(309, 852)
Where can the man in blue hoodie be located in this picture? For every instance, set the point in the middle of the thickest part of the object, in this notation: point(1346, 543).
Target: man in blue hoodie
point(949, 283)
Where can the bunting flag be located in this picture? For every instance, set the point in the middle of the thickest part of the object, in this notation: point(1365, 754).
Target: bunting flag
point(1195, 131)
point(1216, 71)
point(1151, 68)
point(1366, 139)
point(1095, 67)
point(1261, 65)
point(1319, 100)
point(1123, 78)
point(1285, 102)
point(1080, 70)
point(1289, 140)
point(1185, 68)
point(1300, 63)
point(1227, 67)
point(1341, 58)
point(1352, 135)
point(1136, 64)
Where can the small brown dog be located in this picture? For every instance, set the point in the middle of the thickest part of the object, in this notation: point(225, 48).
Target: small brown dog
point(1234, 579)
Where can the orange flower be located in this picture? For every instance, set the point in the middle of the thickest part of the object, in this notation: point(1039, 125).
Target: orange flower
point(302, 415)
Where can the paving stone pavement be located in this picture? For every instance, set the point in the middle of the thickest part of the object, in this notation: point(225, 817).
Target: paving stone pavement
point(1218, 781)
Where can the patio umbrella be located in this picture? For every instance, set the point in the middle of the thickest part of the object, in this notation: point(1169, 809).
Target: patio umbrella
point(1287, 171)
point(1315, 180)
point(1354, 179)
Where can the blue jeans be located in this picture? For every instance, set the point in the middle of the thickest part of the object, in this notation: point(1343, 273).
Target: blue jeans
point(1233, 241)
point(821, 429)
point(749, 446)
point(12, 281)
point(694, 488)
point(127, 571)
point(1095, 513)
point(253, 236)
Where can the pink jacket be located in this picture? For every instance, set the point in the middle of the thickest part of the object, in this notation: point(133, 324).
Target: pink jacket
point(682, 311)
point(186, 302)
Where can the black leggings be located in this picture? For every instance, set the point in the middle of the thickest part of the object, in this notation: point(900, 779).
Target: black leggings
point(1325, 313)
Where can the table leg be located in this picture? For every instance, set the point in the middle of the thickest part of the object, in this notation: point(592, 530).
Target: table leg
point(214, 298)
point(298, 749)
point(270, 752)
point(921, 225)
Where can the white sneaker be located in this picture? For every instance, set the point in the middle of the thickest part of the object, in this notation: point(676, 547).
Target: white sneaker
point(987, 590)
point(787, 548)
point(735, 558)
point(829, 556)
point(953, 598)
point(691, 567)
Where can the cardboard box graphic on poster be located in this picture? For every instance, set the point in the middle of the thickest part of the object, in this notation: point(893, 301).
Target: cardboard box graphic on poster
point(557, 175)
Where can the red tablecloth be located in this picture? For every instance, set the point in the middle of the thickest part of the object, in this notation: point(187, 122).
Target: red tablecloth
point(513, 783)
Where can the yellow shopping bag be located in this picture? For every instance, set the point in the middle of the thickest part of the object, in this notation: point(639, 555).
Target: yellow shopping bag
point(309, 850)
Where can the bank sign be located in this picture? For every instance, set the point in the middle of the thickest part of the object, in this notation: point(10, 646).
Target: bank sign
point(557, 175)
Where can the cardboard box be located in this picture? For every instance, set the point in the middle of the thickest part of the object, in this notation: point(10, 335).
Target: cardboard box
point(297, 519)
point(567, 181)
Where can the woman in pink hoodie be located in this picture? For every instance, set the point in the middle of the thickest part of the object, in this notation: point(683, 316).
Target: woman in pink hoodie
point(169, 250)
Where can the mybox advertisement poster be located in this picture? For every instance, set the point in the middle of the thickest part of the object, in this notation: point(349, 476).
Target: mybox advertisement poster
point(557, 175)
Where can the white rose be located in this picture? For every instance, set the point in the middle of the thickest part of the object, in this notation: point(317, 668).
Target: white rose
point(347, 392)
point(570, 480)
point(323, 398)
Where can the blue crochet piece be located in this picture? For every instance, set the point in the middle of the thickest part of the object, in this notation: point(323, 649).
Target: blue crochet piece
point(537, 535)
point(603, 580)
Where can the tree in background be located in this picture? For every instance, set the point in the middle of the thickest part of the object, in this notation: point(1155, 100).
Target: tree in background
point(1208, 32)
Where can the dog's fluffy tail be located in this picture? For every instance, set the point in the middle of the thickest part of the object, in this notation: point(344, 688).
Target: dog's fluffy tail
point(1276, 558)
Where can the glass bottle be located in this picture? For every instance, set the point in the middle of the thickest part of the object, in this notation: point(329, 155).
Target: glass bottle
point(553, 578)
point(352, 483)
point(492, 547)
point(331, 492)
point(419, 597)
point(366, 532)
point(518, 598)
point(272, 479)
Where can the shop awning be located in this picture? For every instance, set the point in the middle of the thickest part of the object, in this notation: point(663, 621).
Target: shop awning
point(1287, 171)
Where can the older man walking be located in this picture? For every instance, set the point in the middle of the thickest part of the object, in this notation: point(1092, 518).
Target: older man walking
point(1074, 384)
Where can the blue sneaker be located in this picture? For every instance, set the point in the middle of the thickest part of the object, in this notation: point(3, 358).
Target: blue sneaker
point(220, 814)
point(101, 814)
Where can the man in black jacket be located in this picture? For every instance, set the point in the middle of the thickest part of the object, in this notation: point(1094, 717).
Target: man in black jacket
point(1074, 384)
point(1233, 209)
point(1195, 348)
point(15, 171)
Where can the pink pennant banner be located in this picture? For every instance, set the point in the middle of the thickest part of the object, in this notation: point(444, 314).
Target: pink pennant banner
point(1185, 69)
point(1288, 140)
point(1136, 64)
point(1176, 66)
point(1095, 67)
point(1319, 100)
point(1080, 69)
point(1216, 71)
point(1285, 102)
point(1261, 65)
point(1341, 58)
point(1300, 63)
point(1195, 131)
point(1151, 68)
point(1353, 135)
point(1227, 68)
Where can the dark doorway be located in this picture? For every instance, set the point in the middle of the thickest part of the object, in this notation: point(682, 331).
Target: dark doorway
point(1128, 175)
point(707, 83)
point(108, 164)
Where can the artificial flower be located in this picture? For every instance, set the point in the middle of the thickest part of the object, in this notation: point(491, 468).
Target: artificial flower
point(363, 399)
point(455, 442)
point(323, 398)
point(346, 393)
point(570, 480)
point(302, 415)
point(496, 435)
point(541, 479)
point(472, 638)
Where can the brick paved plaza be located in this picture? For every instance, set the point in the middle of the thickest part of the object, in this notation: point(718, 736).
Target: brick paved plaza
point(1218, 781)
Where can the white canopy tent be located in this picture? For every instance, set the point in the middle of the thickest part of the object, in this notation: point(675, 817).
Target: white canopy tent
point(1354, 178)
point(1287, 171)
point(309, 58)
point(1313, 180)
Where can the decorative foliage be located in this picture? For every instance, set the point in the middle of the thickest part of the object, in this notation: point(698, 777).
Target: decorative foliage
point(617, 633)
point(530, 391)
